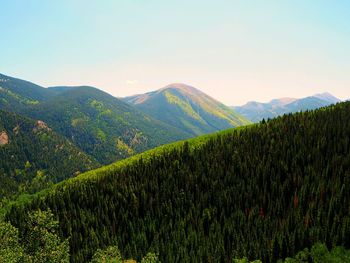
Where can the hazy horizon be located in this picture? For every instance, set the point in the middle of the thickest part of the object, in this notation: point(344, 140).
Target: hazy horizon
point(233, 51)
point(121, 97)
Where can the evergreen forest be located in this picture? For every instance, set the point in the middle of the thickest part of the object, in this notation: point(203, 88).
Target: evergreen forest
point(265, 191)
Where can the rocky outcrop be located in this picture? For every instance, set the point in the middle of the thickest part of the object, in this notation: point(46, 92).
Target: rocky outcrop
point(40, 125)
point(16, 129)
point(4, 138)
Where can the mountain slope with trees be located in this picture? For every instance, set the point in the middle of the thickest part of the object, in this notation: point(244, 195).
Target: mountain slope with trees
point(17, 94)
point(33, 156)
point(264, 192)
point(101, 125)
point(188, 109)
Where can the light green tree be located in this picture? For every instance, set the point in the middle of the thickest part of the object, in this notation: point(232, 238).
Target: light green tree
point(10, 249)
point(109, 255)
point(42, 243)
point(319, 252)
point(245, 260)
point(39, 182)
point(150, 258)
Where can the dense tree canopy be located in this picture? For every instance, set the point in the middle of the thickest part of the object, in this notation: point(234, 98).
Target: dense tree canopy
point(319, 253)
point(262, 192)
point(33, 155)
point(39, 243)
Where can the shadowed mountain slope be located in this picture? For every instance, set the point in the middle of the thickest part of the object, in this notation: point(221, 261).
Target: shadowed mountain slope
point(31, 150)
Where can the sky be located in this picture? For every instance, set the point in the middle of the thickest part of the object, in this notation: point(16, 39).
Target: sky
point(234, 50)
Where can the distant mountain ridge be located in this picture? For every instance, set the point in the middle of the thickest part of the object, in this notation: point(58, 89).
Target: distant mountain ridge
point(256, 111)
point(187, 108)
point(327, 97)
point(17, 94)
point(102, 125)
point(98, 123)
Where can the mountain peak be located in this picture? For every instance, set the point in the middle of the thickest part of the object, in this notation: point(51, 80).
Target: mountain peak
point(327, 97)
point(326, 93)
point(187, 108)
point(181, 87)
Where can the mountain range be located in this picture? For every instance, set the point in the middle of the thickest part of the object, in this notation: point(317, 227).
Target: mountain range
point(101, 128)
point(256, 111)
point(86, 124)
point(101, 125)
point(108, 128)
point(261, 191)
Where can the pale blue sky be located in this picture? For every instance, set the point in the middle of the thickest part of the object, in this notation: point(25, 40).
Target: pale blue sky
point(233, 50)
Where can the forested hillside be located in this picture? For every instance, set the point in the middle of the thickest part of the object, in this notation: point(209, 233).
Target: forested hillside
point(318, 253)
point(17, 94)
point(101, 125)
point(264, 192)
point(33, 155)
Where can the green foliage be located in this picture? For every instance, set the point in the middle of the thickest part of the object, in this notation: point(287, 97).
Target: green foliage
point(39, 182)
point(320, 254)
point(110, 255)
point(150, 258)
point(123, 148)
point(10, 250)
point(19, 98)
point(245, 260)
point(94, 121)
point(263, 192)
point(35, 156)
point(16, 94)
point(184, 105)
point(39, 243)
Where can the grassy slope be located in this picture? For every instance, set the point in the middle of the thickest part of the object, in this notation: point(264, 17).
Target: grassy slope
point(187, 108)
